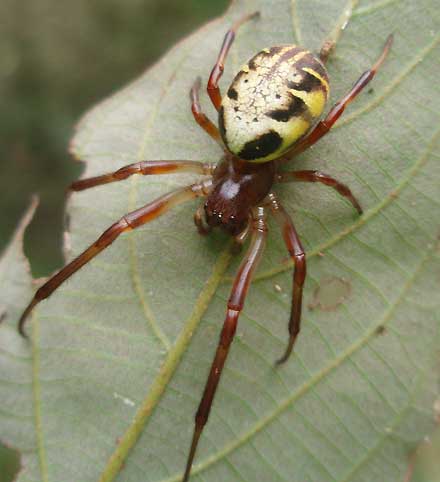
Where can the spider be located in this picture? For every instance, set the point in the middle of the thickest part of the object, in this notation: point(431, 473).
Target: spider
point(269, 114)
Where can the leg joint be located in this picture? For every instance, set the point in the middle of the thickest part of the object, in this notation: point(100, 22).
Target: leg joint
point(202, 188)
point(228, 331)
point(300, 269)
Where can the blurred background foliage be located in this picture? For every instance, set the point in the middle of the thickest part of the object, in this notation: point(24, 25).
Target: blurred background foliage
point(57, 59)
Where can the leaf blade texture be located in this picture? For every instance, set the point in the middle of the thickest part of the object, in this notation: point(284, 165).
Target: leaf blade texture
point(119, 355)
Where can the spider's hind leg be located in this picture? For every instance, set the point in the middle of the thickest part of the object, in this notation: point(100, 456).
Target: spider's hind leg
point(326, 49)
point(329, 44)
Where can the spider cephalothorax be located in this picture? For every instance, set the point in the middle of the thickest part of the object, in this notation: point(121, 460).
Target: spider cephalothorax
point(237, 187)
point(269, 114)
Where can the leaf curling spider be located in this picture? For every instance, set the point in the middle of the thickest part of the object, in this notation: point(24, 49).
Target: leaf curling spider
point(269, 114)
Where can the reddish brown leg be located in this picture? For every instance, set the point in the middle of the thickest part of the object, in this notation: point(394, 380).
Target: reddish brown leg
point(296, 251)
point(318, 176)
point(335, 112)
point(145, 168)
point(217, 71)
point(235, 306)
point(199, 116)
point(128, 222)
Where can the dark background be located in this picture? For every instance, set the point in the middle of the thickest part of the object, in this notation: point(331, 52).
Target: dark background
point(57, 59)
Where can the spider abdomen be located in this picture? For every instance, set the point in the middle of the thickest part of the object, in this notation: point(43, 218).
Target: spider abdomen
point(272, 102)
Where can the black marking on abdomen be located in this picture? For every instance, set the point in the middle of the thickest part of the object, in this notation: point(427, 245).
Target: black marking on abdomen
point(252, 63)
point(263, 146)
point(296, 107)
point(221, 122)
point(291, 52)
point(307, 83)
point(232, 93)
point(311, 62)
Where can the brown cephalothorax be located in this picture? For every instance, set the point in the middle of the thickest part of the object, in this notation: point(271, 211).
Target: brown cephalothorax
point(237, 187)
point(269, 114)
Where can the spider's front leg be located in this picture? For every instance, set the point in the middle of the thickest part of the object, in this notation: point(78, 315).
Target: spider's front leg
point(128, 222)
point(296, 251)
point(235, 306)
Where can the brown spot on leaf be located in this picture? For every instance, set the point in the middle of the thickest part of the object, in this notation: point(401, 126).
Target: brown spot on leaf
point(381, 330)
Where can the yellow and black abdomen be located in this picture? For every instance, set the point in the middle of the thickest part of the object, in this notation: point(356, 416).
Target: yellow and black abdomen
point(273, 101)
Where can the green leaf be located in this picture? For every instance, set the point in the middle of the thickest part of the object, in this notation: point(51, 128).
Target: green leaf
point(108, 388)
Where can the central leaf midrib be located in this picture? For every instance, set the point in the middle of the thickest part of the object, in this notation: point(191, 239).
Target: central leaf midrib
point(133, 432)
point(128, 440)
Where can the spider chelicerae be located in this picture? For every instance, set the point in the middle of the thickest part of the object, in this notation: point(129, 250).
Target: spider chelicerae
point(270, 113)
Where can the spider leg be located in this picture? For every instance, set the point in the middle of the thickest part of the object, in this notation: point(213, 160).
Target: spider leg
point(217, 71)
point(296, 251)
point(145, 168)
point(326, 50)
point(128, 222)
point(335, 112)
point(204, 122)
point(330, 43)
point(235, 306)
point(318, 176)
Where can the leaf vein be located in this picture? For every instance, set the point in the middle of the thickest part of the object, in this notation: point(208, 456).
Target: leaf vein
point(388, 89)
point(172, 361)
point(318, 377)
point(371, 213)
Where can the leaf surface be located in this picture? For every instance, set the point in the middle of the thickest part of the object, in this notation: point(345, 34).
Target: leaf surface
point(119, 355)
